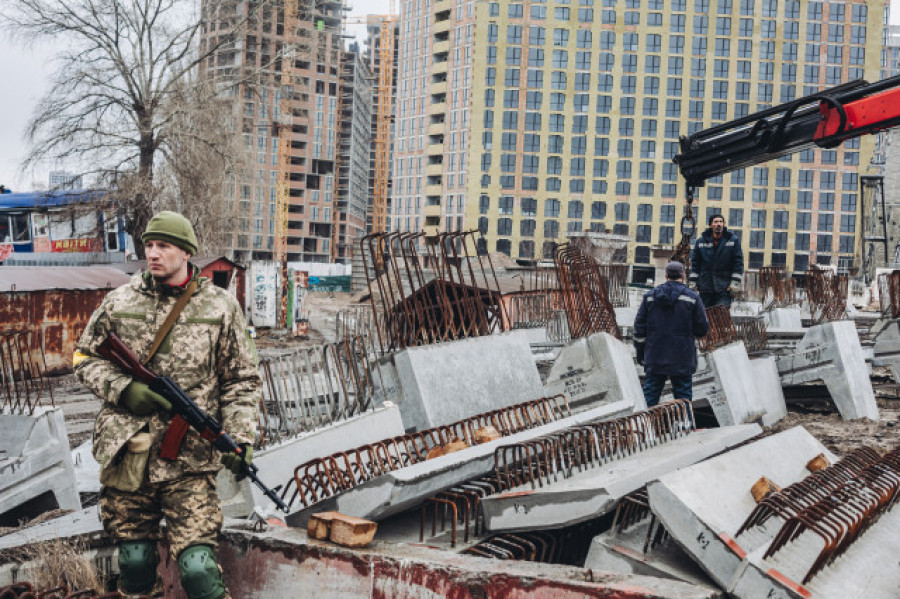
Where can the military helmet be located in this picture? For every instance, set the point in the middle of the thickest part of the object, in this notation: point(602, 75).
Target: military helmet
point(173, 228)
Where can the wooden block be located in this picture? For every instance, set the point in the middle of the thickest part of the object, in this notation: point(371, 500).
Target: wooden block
point(763, 488)
point(818, 463)
point(319, 525)
point(486, 434)
point(350, 531)
point(455, 445)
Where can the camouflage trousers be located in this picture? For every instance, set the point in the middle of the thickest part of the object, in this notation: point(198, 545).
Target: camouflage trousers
point(189, 504)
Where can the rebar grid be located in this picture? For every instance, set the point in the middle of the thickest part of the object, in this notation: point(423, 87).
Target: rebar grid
point(321, 478)
point(546, 459)
point(753, 333)
point(772, 286)
point(791, 500)
point(585, 294)
point(632, 510)
point(532, 309)
point(721, 329)
point(22, 367)
point(826, 293)
point(567, 545)
point(843, 514)
point(312, 387)
point(451, 292)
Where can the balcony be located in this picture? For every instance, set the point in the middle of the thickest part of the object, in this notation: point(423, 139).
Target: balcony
point(432, 212)
point(435, 189)
point(440, 47)
point(436, 129)
point(434, 170)
point(435, 149)
point(438, 87)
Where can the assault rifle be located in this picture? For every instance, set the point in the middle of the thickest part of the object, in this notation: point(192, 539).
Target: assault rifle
point(186, 412)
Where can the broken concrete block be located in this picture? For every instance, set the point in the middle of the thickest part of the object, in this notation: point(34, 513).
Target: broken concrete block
point(277, 462)
point(36, 471)
point(726, 379)
point(593, 369)
point(886, 351)
point(868, 568)
point(623, 553)
point(703, 506)
point(831, 352)
point(442, 383)
point(595, 491)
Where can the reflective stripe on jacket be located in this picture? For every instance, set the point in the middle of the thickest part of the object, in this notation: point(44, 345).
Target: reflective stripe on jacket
point(669, 319)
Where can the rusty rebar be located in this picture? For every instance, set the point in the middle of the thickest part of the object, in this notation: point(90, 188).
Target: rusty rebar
point(721, 329)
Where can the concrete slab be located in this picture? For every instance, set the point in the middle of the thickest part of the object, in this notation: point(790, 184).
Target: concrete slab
point(83, 522)
point(397, 491)
point(867, 569)
point(442, 383)
point(767, 389)
point(788, 318)
point(832, 353)
point(36, 472)
point(623, 553)
point(595, 369)
point(276, 463)
point(726, 380)
point(589, 494)
point(702, 506)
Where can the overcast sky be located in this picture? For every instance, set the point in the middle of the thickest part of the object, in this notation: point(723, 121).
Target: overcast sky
point(24, 73)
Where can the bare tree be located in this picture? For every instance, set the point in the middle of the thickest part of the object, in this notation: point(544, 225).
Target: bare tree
point(126, 98)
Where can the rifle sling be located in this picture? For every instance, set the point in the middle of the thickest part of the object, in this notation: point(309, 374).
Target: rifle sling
point(178, 427)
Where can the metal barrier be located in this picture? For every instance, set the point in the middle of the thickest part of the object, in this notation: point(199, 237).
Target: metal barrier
point(22, 366)
point(721, 329)
point(312, 387)
point(584, 290)
point(827, 294)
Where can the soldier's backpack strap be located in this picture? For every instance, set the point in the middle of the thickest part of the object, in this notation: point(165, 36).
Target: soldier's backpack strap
point(170, 319)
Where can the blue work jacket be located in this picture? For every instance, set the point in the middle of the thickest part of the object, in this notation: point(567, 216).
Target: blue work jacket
point(671, 316)
point(715, 268)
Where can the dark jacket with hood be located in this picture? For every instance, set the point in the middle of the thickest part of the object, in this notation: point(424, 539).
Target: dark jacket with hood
point(669, 319)
point(716, 267)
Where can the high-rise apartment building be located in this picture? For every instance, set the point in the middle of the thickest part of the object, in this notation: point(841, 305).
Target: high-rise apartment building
point(381, 54)
point(356, 138)
point(290, 64)
point(534, 119)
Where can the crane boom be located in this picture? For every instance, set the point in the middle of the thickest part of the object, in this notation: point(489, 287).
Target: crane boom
point(825, 119)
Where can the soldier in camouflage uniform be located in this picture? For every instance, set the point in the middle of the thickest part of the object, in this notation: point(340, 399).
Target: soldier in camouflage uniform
point(208, 353)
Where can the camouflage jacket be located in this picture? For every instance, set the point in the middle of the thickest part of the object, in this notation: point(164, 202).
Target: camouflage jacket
point(207, 353)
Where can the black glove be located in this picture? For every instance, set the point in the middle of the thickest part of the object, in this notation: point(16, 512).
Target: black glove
point(235, 462)
point(639, 350)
